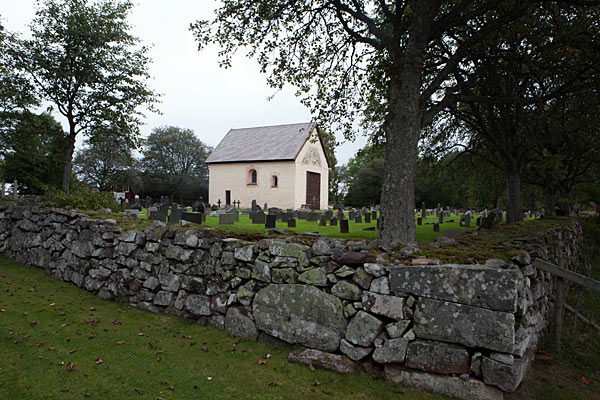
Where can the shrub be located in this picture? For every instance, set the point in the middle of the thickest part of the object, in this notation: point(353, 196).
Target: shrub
point(80, 197)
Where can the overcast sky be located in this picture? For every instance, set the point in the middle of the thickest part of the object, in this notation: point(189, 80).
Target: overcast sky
point(197, 94)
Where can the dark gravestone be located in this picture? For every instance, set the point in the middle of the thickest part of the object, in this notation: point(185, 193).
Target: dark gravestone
point(488, 221)
point(367, 218)
point(254, 206)
point(436, 227)
point(265, 207)
point(329, 214)
point(358, 219)
point(164, 208)
point(311, 217)
point(233, 211)
point(333, 221)
point(467, 220)
point(344, 226)
point(175, 215)
point(291, 223)
point(374, 214)
point(340, 215)
point(226, 219)
point(258, 217)
point(271, 221)
point(302, 215)
point(441, 218)
point(285, 217)
point(158, 216)
point(194, 218)
point(323, 220)
point(478, 221)
point(419, 221)
point(423, 210)
point(274, 210)
point(295, 214)
point(351, 214)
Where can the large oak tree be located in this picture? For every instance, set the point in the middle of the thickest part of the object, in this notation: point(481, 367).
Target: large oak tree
point(347, 55)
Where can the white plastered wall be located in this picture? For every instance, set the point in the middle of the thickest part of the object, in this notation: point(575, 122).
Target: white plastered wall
point(234, 177)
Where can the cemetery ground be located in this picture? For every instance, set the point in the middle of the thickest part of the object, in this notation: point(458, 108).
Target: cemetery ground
point(59, 341)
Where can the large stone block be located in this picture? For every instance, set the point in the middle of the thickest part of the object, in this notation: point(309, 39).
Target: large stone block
point(468, 389)
point(506, 377)
point(380, 304)
point(363, 329)
point(322, 359)
point(300, 314)
point(471, 326)
point(239, 324)
point(475, 285)
point(355, 353)
point(440, 357)
point(392, 351)
point(198, 305)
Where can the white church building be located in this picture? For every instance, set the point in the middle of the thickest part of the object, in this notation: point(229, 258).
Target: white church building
point(284, 166)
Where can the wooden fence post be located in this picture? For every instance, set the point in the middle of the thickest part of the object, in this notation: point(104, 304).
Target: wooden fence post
point(559, 309)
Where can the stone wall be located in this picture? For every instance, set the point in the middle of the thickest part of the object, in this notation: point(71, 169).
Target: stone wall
point(468, 331)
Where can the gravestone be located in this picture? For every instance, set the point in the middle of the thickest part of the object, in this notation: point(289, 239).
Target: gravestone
point(478, 221)
point(467, 220)
point(374, 214)
point(333, 221)
point(271, 221)
point(436, 227)
point(329, 214)
point(175, 215)
point(302, 215)
point(311, 217)
point(285, 216)
point(344, 226)
point(291, 223)
point(158, 216)
point(194, 218)
point(358, 219)
point(323, 220)
point(423, 210)
point(419, 221)
point(340, 215)
point(233, 211)
point(265, 207)
point(351, 214)
point(295, 214)
point(441, 218)
point(258, 217)
point(254, 206)
point(226, 219)
point(488, 221)
point(367, 218)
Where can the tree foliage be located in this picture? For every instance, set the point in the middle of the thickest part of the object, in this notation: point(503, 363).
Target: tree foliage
point(174, 163)
point(82, 59)
point(32, 152)
point(105, 159)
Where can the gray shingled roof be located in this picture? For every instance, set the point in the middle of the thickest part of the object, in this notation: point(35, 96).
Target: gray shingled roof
point(267, 143)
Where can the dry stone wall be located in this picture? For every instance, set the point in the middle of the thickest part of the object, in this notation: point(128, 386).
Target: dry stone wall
point(468, 331)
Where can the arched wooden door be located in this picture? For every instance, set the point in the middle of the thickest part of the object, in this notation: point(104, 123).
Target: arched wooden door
point(313, 190)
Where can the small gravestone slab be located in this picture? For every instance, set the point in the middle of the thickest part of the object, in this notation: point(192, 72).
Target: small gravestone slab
point(344, 226)
point(311, 217)
point(254, 206)
point(358, 219)
point(367, 218)
point(478, 221)
point(436, 227)
point(333, 221)
point(351, 214)
point(419, 221)
point(302, 215)
point(258, 217)
point(175, 216)
point(226, 219)
point(340, 215)
point(441, 218)
point(374, 214)
point(291, 223)
point(194, 218)
point(488, 221)
point(323, 220)
point(271, 221)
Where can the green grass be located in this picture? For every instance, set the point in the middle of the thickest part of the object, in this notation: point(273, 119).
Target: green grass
point(118, 352)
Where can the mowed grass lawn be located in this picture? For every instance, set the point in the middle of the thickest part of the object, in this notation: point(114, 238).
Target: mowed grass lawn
point(425, 233)
point(61, 342)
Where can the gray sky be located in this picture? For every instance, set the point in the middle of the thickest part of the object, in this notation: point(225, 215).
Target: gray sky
point(197, 94)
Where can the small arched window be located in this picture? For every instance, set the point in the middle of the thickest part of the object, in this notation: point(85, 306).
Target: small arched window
point(252, 177)
point(274, 181)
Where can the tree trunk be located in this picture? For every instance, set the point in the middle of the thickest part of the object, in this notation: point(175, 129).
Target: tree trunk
point(514, 213)
point(402, 128)
point(68, 163)
point(549, 201)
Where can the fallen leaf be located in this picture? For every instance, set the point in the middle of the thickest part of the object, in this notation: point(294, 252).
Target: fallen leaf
point(268, 356)
point(326, 392)
point(52, 305)
point(87, 395)
point(3, 310)
point(204, 349)
point(51, 348)
point(209, 378)
point(64, 390)
point(72, 351)
point(33, 323)
point(171, 387)
point(317, 383)
point(311, 367)
point(271, 384)
point(261, 362)
point(120, 342)
point(92, 308)
point(99, 361)
point(584, 380)
point(139, 391)
point(70, 367)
